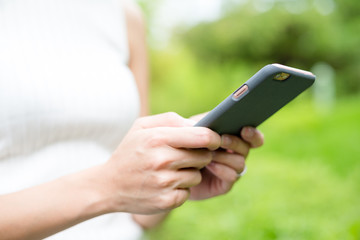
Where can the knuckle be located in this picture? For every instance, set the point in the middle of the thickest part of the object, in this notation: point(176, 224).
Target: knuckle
point(163, 202)
point(141, 122)
point(171, 200)
point(161, 160)
point(205, 136)
point(166, 202)
point(164, 181)
point(154, 138)
point(181, 195)
point(172, 116)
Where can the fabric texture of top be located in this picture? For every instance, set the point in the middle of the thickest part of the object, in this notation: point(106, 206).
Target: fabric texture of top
point(67, 97)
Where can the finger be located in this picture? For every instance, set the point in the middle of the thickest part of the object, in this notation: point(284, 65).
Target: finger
point(232, 160)
point(169, 119)
point(191, 137)
point(223, 172)
point(235, 144)
point(173, 199)
point(191, 158)
point(183, 178)
point(253, 136)
point(188, 178)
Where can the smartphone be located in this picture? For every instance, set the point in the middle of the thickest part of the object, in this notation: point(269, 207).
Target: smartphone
point(257, 99)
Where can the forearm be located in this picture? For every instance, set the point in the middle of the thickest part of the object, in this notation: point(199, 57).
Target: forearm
point(43, 210)
point(150, 221)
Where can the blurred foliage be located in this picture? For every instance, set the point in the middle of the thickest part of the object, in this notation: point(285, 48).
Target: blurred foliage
point(304, 183)
point(203, 64)
point(277, 35)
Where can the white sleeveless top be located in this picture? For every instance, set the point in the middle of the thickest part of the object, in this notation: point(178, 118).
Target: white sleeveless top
point(67, 97)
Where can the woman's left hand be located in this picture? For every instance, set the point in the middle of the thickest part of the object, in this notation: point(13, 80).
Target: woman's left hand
point(228, 163)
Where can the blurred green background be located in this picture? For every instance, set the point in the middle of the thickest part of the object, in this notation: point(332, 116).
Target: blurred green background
point(304, 183)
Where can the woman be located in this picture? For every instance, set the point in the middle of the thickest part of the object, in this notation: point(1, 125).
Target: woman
point(74, 163)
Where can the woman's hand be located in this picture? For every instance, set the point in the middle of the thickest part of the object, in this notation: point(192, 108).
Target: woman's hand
point(157, 162)
point(219, 176)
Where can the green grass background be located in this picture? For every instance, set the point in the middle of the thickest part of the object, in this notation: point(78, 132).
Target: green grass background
point(304, 183)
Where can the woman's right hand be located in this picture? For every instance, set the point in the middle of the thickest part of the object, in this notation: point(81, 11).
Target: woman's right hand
point(157, 162)
point(150, 172)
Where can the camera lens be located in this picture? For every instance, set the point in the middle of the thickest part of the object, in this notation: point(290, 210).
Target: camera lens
point(281, 76)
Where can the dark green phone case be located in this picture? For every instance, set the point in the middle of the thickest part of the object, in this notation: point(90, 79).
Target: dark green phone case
point(262, 97)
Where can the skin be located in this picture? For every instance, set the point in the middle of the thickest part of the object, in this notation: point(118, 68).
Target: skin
point(221, 173)
point(164, 160)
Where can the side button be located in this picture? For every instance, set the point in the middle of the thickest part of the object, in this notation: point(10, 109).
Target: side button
point(241, 91)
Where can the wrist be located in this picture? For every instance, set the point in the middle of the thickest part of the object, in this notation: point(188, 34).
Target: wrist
point(93, 194)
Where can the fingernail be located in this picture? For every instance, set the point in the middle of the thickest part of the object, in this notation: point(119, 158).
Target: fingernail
point(249, 132)
point(225, 140)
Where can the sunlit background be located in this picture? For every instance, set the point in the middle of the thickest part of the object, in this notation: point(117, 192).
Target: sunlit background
point(305, 182)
